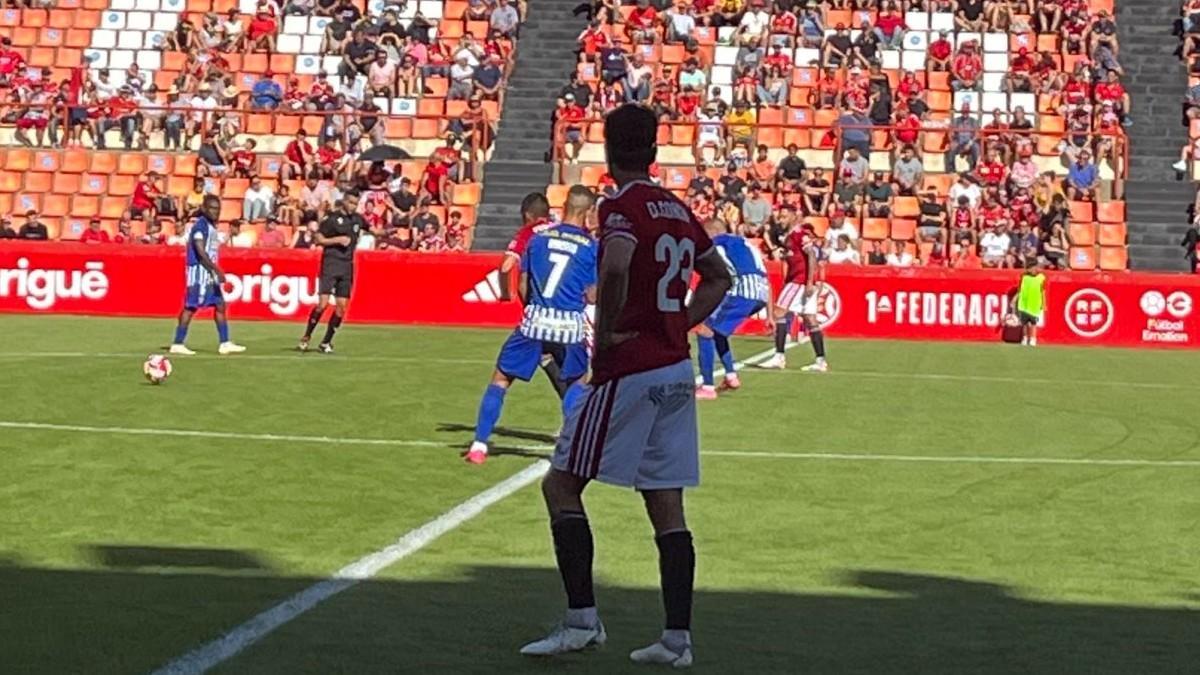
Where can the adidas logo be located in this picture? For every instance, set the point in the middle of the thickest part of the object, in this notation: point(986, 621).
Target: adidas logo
point(487, 290)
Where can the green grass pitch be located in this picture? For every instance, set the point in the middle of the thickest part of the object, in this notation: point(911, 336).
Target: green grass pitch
point(923, 508)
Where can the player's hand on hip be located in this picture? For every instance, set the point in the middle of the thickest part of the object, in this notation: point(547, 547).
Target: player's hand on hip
point(609, 340)
point(219, 276)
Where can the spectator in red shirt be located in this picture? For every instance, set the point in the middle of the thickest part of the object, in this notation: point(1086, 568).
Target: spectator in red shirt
point(244, 161)
point(967, 69)
point(591, 40)
point(909, 86)
point(938, 55)
point(95, 234)
point(642, 23)
point(435, 183)
point(571, 117)
point(993, 171)
point(328, 156)
point(298, 157)
point(1020, 73)
point(10, 59)
point(890, 27)
point(143, 205)
point(1112, 91)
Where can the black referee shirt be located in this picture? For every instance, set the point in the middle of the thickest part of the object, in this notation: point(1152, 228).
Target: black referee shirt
point(338, 224)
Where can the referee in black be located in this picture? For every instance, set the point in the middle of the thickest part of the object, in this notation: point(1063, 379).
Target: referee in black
point(337, 237)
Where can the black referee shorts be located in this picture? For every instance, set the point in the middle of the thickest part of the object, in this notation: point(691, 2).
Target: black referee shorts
point(1027, 319)
point(336, 281)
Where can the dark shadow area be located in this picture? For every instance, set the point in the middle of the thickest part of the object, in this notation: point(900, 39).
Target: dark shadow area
point(161, 556)
point(69, 621)
point(499, 449)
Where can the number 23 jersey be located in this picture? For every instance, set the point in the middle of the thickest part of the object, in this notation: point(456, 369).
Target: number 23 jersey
point(668, 241)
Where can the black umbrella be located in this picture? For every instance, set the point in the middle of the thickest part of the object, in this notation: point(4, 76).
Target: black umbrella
point(383, 153)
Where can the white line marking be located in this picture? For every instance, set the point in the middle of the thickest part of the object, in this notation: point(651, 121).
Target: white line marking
point(210, 654)
point(423, 443)
point(296, 358)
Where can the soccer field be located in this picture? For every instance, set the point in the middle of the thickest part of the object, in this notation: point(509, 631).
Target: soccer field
point(923, 508)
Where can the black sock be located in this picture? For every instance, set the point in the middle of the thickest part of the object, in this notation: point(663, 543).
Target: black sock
point(334, 322)
point(722, 344)
point(781, 336)
point(314, 318)
point(818, 342)
point(553, 372)
point(573, 548)
point(677, 571)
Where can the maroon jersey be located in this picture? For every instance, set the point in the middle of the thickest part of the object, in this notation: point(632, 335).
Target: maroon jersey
point(669, 240)
point(797, 258)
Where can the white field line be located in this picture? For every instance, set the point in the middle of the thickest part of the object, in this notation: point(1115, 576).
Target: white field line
point(212, 653)
point(424, 443)
point(294, 358)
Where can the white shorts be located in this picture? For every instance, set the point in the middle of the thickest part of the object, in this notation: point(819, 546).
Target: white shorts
point(707, 139)
point(636, 431)
point(792, 299)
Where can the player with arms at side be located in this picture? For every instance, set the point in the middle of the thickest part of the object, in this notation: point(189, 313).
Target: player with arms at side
point(637, 426)
point(337, 237)
point(1030, 302)
point(800, 294)
point(558, 279)
point(204, 280)
point(750, 293)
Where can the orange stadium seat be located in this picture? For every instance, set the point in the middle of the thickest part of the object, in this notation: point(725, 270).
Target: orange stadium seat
point(1114, 258)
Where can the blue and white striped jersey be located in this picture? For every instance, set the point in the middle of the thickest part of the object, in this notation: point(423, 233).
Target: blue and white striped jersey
point(746, 267)
point(560, 267)
point(206, 233)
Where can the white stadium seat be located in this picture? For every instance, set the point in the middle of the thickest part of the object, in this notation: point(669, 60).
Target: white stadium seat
point(969, 98)
point(722, 75)
point(725, 56)
point(122, 5)
point(308, 65)
point(995, 63)
point(164, 21)
point(994, 101)
point(917, 20)
point(316, 25)
point(406, 107)
point(138, 20)
point(993, 82)
point(806, 55)
point(146, 5)
point(104, 39)
point(995, 42)
point(97, 57)
point(961, 39)
point(330, 64)
point(149, 59)
point(120, 59)
point(432, 9)
point(1023, 100)
point(941, 21)
point(311, 44)
point(295, 25)
point(914, 61)
point(153, 39)
point(130, 39)
point(289, 44)
point(916, 41)
point(112, 20)
point(890, 59)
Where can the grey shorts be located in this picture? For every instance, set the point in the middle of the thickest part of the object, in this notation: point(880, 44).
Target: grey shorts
point(635, 431)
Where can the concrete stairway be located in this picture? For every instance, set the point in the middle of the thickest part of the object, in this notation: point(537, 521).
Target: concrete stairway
point(1156, 81)
point(544, 63)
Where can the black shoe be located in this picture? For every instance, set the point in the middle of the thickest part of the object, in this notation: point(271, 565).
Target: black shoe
point(325, 348)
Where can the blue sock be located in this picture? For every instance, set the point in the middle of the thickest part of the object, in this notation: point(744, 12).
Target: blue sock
point(573, 397)
point(708, 354)
point(223, 331)
point(180, 334)
point(489, 411)
point(725, 352)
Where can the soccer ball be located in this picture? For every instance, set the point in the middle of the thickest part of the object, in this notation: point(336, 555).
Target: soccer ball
point(157, 368)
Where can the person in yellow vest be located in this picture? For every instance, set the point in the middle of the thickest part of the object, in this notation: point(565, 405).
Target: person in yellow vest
point(1031, 302)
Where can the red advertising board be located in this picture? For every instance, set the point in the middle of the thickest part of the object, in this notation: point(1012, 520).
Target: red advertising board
point(1124, 309)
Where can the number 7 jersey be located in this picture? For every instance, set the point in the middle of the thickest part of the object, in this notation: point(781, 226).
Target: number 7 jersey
point(668, 241)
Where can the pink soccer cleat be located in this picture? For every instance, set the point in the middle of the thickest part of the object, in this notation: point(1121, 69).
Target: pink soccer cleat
point(477, 454)
point(731, 382)
point(706, 392)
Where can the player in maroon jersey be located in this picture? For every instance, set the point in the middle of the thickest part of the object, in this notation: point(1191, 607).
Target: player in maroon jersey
point(637, 426)
point(800, 295)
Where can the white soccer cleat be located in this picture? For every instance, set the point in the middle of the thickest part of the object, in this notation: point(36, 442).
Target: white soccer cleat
point(776, 362)
point(230, 348)
point(658, 653)
point(181, 350)
point(816, 367)
point(565, 639)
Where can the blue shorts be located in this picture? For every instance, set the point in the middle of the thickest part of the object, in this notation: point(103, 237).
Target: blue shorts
point(520, 357)
point(731, 313)
point(206, 295)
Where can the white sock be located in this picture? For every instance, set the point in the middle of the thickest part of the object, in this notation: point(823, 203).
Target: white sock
point(1032, 342)
point(585, 617)
point(677, 640)
point(1025, 340)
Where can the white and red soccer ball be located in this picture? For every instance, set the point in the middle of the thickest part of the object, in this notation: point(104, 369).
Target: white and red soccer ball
point(157, 368)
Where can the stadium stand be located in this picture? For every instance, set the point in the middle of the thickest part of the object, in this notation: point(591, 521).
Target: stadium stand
point(1017, 104)
point(225, 90)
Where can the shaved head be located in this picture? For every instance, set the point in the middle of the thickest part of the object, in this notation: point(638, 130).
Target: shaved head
point(580, 200)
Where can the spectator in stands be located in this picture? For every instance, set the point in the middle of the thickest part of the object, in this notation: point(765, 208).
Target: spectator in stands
point(33, 229)
point(812, 27)
point(211, 157)
point(840, 226)
point(381, 76)
point(306, 237)
point(435, 183)
point(462, 78)
point(890, 27)
point(739, 125)
point(272, 236)
point(238, 236)
point(966, 71)
point(287, 207)
point(1055, 246)
point(837, 47)
point(756, 208)
point(638, 80)
point(182, 39)
point(592, 40)
point(856, 126)
point(880, 196)
point(843, 253)
point(243, 162)
point(940, 50)
point(1190, 244)
point(932, 224)
point(431, 241)
point(424, 217)
point(6, 230)
point(316, 198)
point(816, 193)
point(505, 19)
point(851, 178)
point(900, 256)
point(33, 116)
point(144, 203)
point(95, 233)
point(571, 116)
point(337, 35)
point(908, 172)
point(263, 28)
point(732, 187)
point(1083, 178)
point(257, 201)
point(966, 186)
point(298, 157)
point(680, 21)
point(641, 25)
point(266, 94)
point(358, 55)
point(753, 27)
point(969, 16)
point(773, 91)
point(178, 236)
point(994, 247)
point(963, 140)
point(876, 255)
point(200, 104)
point(791, 169)
point(489, 79)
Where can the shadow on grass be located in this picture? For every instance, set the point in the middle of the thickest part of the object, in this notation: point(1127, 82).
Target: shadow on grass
point(120, 621)
point(496, 448)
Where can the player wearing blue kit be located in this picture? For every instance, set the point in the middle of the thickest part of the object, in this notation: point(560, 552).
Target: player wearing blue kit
point(204, 279)
point(558, 279)
point(749, 295)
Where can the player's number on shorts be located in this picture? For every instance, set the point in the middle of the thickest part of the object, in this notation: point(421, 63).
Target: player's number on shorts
point(559, 265)
point(679, 254)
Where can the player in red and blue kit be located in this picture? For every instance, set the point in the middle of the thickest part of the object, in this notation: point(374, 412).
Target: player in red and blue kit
point(800, 295)
point(204, 279)
point(637, 426)
point(749, 295)
point(558, 279)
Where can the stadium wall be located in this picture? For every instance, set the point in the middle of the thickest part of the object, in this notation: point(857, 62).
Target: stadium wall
point(1113, 309)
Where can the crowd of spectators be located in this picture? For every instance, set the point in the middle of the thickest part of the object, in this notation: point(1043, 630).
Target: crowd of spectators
point(1188, 29)
point(962, 179)
point(204, 112)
